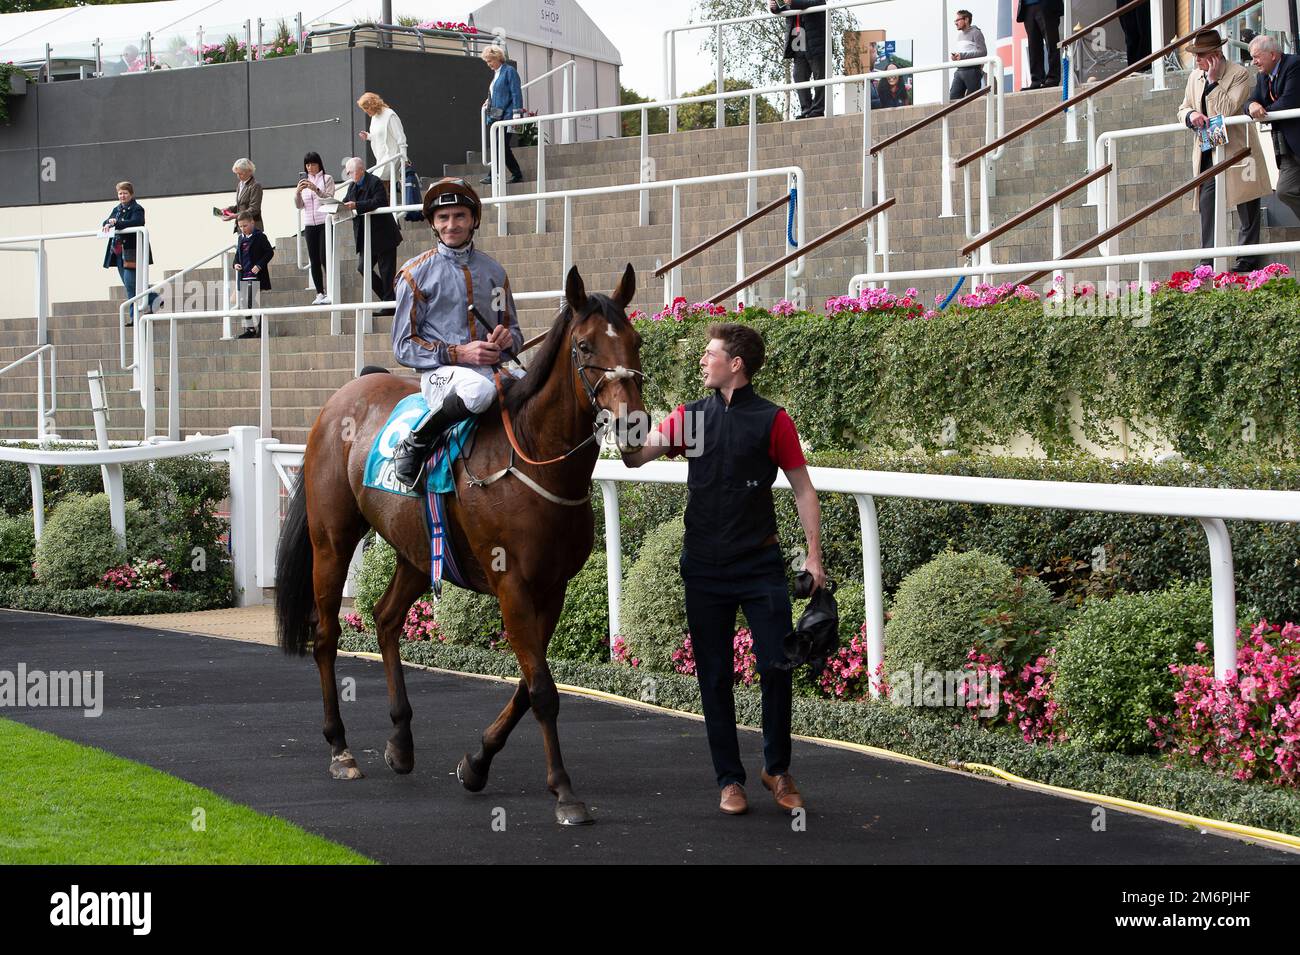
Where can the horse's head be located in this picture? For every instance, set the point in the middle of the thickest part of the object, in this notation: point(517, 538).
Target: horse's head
point(605, 351)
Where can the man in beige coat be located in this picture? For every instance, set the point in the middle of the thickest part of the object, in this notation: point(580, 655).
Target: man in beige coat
point(1219, 87)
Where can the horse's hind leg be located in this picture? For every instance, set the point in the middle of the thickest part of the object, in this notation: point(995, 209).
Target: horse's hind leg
point(329, 571)
point(473, 770)
point(390, 613)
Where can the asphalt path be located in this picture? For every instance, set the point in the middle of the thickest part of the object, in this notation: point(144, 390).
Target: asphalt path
point(245, 721)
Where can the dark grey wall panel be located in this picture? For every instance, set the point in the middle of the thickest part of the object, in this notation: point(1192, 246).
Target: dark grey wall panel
point(177, 132)
point(19, 156)
point(297, 93)
point(437, 97)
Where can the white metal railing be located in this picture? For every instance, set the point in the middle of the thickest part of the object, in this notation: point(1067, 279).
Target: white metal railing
point(1107, 150)
point(568, 98)
point(237, 446)
point(994, 123)
point(1210, 506)
point(794, 176)
point(44, 414)
point(718, 26)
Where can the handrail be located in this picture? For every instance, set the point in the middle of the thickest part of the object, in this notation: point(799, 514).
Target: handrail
point(1147, 210)
point(1097, 87)
point(568, 97)
point(728, 231)
point(808, 248)
point(1082, 31)
point(44, 416)
point(1020, 218)
point(927, 120)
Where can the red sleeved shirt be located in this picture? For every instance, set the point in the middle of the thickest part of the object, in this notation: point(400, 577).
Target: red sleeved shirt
point(783, 446)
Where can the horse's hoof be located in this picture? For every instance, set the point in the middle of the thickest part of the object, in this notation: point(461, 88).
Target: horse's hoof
point(572, 814)
point(343, 766)
point(398, 762)
point(470, 779)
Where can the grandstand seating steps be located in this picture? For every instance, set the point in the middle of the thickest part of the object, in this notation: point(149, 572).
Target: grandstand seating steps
point(308, 364)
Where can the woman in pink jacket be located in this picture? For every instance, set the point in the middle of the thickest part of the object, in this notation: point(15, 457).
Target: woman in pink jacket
point(314, 186)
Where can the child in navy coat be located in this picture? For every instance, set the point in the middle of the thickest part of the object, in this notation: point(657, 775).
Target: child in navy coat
point(253, 264)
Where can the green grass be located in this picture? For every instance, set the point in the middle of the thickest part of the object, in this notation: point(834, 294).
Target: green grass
point(63, 803)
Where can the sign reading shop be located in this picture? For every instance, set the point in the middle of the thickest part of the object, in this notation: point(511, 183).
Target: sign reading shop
point(551, 23)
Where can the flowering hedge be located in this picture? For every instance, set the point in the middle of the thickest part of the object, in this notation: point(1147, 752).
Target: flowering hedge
point(1004, 363)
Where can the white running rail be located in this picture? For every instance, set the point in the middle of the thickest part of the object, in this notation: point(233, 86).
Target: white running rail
point(568, 99)
point(44, 414)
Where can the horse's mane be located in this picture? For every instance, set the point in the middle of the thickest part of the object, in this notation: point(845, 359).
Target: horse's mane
point(519, 391)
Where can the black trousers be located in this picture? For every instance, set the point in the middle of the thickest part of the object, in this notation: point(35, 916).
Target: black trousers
point(382, 275)
point(811, 65)
point(1248, 223)
point(511, 162)
point(1043, 33)
point(1136, 25)
point(755, 583)
point(314, 235)
point(967, 80)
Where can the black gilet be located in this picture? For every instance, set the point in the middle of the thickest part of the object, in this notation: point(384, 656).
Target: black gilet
point(729, 511)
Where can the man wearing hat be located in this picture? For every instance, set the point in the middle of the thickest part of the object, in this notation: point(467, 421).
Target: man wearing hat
point(455, 320)
point(734, 441)
point(1220, 87)
point(1277, 87)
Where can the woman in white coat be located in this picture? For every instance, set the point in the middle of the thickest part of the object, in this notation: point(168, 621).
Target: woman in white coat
point(387, 139)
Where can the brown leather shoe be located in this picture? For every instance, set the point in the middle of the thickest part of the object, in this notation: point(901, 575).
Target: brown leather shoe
point(733, 801)
point(783, 788)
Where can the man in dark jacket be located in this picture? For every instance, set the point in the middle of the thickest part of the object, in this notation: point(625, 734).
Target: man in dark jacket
point(1042, 20)
point(734, 441)
point(253, 254)
point(367, 193)
point(1277, 87)
point(805, 44)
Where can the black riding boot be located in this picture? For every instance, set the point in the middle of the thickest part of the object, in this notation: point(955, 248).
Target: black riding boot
point(411, 454)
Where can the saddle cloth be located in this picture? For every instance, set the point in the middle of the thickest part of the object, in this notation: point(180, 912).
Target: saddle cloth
point(405, 416)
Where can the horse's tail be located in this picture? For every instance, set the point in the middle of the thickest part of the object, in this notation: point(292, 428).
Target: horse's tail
point(295, 599)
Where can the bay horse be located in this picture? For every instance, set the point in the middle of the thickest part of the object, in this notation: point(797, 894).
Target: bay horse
point(520, 544)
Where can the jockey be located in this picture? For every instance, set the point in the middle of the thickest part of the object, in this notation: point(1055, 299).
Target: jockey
point(455, 321)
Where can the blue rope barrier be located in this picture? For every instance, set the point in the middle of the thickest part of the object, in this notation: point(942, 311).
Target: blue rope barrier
point(789, 219)
point(951, 295)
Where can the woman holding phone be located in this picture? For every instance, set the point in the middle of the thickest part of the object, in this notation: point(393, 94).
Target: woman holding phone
point(314, 186)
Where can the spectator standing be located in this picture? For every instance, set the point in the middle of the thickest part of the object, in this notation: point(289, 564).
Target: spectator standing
point(253, 254)
point(120, 253)
point(805, 44)
point(1136, 25)
point(1219, 87)
point(505, 101)
point(314, 186)
point(124, 63)
point(386, 136)
point(1042, 20)
point(365, 194)
point(248, 194)
point(1277, 87)
point(969, 45)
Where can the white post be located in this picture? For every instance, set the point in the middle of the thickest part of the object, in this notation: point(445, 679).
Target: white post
point(333, 281)
point(567, 253)
point(675, 275)
point(243, 514)
point(828, 67)
point(866, 144)
point(613, 558)
point(946, 82)
point(1220, 211)
point(644, 174)
point(871, 583)
point(965, 196)
point(1157, 41)
point(1069, 77)
point(173, 382)
point(498, 178)
point(226, 331)
point(541, 178)
point(670, 76)
point(945, 165)
point(566, 127)
point(883, 231)
point(1224, 595)
point(267, 511)
point(300, 247)
point(720, 119)
point(264, 376)
point(42, 295)
point(38, 500)
point(1090, 146)
point(1056, 237)
point(111, 474)
point(148, 399)
point(40, 398)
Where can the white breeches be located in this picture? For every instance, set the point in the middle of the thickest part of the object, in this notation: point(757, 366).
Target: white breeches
point(474, 389)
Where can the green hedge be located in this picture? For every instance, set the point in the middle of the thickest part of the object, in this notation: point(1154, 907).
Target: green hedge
point(1141, 553)
point(79, 546)
point(913, 732)
point(1112, 663)
point(17, 549)
point(1200, 372)
point(93, 602)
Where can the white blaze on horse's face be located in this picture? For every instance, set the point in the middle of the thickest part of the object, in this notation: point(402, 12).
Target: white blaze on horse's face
point(609, 330)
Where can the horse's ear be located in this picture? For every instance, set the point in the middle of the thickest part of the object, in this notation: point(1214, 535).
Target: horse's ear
point(626, 290)
point(575, 293)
